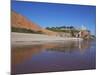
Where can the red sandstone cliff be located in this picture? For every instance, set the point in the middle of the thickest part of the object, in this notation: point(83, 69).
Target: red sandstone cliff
point(19, 21)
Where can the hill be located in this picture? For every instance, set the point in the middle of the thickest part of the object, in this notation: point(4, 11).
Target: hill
point(19, 22)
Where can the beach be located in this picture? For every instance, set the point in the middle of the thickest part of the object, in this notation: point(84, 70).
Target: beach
point(30, 39)
point(50, 54)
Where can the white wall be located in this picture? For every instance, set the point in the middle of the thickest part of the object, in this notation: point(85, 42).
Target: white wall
point(83, 2)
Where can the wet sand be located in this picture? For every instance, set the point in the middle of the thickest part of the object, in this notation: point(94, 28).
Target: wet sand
point(18, 39)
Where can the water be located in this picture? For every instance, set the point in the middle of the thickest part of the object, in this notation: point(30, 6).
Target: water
point(51, 57)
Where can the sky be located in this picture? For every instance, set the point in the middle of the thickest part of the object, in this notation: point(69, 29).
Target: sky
point(53, 14)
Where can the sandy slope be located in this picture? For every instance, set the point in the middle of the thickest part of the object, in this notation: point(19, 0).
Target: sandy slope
point(20, 21)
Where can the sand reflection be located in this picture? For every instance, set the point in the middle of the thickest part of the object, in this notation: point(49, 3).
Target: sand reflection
point(24, 53)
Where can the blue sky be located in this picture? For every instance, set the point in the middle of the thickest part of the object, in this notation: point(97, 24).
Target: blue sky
point(52, 14)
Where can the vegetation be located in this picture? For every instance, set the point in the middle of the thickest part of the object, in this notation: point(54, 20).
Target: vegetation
point(62, 27)
point(23, 30)
point(68, 29)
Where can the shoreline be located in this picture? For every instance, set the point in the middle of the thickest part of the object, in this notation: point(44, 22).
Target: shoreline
point(20, 39)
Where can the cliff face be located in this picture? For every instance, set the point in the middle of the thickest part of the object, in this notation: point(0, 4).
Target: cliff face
point(19, 21)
